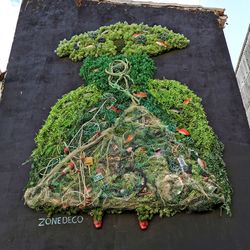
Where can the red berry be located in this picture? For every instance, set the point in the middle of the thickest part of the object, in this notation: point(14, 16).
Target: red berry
point(66, 150)
point(206, 178)
point(65, 206)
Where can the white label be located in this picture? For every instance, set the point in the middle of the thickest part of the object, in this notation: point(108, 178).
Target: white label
point(60, 220)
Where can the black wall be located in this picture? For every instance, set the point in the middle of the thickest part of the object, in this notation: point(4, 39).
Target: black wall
point(37, 78)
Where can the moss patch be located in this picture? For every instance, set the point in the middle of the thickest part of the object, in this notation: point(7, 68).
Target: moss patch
point(183, 107)
point(63, 122)
point(124, 38)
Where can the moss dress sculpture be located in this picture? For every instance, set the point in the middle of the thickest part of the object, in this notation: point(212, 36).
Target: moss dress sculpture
point(125, 141)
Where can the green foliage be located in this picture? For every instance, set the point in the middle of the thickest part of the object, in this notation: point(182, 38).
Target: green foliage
point(217, 167)
point(164, 98)
point(93, 70)
point(170, 95)
point(141, 39)
point(97, 214)
point(167, 212)
point(130, 168)
point(143, 172)
point(146, 212)
point(63, 122)
point(122, 38)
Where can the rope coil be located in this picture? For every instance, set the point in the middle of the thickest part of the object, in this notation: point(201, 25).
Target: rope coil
point(118, 71)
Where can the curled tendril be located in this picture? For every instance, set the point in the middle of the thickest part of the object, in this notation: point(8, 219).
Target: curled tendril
point(119, 71)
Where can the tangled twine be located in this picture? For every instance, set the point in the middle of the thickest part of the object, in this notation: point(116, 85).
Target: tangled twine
point(76, 193)
point(169, 185)
point(119, 71)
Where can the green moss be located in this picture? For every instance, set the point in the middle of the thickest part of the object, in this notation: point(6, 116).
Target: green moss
point(63, 122)
point(142, 69)
point(122, 38)
point(170, 95)
point(169, 101)
point(165, 97)
point(146, 212)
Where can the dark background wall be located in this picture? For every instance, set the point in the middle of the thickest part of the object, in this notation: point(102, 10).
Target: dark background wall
point(37, 78)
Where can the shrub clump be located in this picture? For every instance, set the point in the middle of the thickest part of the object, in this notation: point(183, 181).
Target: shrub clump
point(93, 70)
point(184, 109)
point(64, 120)
point(121, 38)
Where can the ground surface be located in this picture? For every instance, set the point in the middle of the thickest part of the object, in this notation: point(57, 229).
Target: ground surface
point(37, 78)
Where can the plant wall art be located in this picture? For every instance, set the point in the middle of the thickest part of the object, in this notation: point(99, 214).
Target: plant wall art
point(125, 141)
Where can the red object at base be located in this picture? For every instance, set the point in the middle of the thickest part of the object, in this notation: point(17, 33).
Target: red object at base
point(143, 224)
point(97, 224)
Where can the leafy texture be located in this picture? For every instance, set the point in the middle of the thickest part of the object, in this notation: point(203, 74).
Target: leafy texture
point(93, 70)
point(185, 110)
point(64, 120)
point(126, 141)
point(136, 158)
point(121, 38)
point(127, 167)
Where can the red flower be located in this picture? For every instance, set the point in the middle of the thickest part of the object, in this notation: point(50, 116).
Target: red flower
point(129, 138)
point(137, 34)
